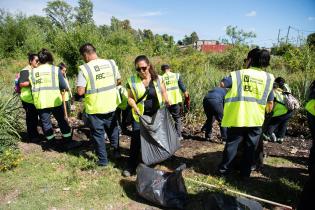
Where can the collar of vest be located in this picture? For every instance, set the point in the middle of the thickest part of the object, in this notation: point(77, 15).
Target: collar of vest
point(255, 68)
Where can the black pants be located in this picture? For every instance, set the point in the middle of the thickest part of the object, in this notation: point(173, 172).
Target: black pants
point(175, 112)
point(123, 117)
point(311, 124)
point(214, 110)
point(278, 125)
point(135, 147)
point(235, 136)
point(31, 119)
point(58, 113)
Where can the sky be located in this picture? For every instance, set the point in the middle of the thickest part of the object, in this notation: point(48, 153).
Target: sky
point(209, 18)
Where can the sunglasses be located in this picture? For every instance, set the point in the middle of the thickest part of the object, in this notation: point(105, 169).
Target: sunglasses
point(143, 68)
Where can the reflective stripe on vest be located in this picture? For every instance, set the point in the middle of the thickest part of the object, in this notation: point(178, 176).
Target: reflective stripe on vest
point(26, 92)
point(279, 107)
point(138, 89)
point(310, 107)
point(245, 102)
point(101, 94)
point(172, 88)
point(45, 87)
point(240, 96)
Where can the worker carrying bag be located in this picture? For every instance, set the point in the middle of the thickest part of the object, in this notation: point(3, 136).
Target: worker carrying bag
point(159, 139)
point(290, 102)
point(163, 188)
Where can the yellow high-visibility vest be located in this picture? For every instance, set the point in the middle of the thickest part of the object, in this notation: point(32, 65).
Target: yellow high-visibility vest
point(245, 102)
point(310, 106)
point(101, 95)
point(279, 107)
point(26, 92)
point(138, 90)
point(172, 88)
point(45, 86)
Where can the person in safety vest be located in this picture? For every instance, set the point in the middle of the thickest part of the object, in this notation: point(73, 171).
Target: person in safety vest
point(249, 97)
point(310, 108)
point(174, 85)
point(277, 125)
point(213, 104)
point(68, 94)
point(97, 81)
point(47, 82)
point(27, 98)
point(146, 94)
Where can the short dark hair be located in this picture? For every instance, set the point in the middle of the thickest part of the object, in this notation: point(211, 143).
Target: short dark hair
point(264, 58)
point(62, 65)
point(280, 81)
point(31, 56)
point(254, 56)
point(164, 67)
point(87, 48)
point(45, 56)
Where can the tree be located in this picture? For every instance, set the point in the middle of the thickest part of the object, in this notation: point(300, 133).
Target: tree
point(238, 36)
point(60, 13)
point(311, 40)
point(190, 39)
point(84, 12)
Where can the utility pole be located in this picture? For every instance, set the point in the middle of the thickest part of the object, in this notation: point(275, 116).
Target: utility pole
point(279, 37)
point(286, 41)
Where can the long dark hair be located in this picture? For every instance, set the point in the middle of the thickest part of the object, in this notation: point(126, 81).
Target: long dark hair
point(45, 56)
point(153, 73)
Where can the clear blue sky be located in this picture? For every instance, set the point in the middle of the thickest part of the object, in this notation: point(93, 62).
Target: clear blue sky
point(207, 17)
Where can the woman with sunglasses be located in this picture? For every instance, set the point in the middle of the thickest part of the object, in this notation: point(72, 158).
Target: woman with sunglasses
point(27, 99)
point(146, 94)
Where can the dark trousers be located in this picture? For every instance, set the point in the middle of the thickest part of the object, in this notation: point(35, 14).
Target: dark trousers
point(122, 117)
point(214, 110)
point(99, 124)
point(135, 146)
point(58, 113)
point(31, 119)
point(278, 125)
point(175, 112)
point(236, 135)
point(311, 124)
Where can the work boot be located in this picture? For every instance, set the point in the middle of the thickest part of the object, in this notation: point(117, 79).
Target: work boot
point(273, 137)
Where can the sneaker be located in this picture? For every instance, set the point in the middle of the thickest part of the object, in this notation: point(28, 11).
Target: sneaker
point(102, 164)
point(273, 137)
point(280, 140)
point(266, 137)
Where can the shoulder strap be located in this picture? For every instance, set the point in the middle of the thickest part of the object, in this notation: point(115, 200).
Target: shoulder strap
point(144, 95)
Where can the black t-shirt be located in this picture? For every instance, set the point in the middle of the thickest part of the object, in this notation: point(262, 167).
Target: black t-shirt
point(151, 104)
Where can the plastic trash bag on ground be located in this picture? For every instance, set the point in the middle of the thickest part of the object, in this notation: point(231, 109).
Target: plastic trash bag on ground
point(159, 139)
point(163, 188)
point(220, 201)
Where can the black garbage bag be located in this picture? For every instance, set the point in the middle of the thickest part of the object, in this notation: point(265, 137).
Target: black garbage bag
point(159, 139)
point(220, 201)
point(163, 188)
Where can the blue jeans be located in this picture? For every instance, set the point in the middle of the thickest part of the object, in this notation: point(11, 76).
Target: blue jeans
point(99, 124)
point(175, 112)
point(58, 113)
point(235, 136)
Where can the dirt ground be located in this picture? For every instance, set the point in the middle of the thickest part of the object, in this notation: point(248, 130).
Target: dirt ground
point(202, 158)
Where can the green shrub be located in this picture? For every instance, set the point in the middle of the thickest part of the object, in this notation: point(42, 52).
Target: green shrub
point(9, 159)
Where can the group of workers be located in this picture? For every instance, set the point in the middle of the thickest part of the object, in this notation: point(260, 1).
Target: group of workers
point(240, 104)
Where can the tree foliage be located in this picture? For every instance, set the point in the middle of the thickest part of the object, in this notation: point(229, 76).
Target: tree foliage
point(238, 36)
point(60, 13)
point(84, 13)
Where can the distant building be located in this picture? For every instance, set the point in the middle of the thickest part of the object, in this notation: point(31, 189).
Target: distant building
point(210, 46)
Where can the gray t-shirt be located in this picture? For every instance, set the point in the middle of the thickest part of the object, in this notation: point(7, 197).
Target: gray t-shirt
point(81, 80)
